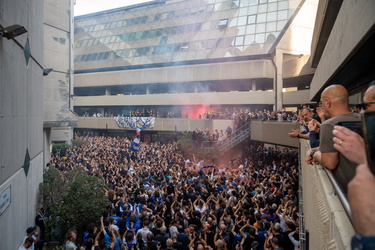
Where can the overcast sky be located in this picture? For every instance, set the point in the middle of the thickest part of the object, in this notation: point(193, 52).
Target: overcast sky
point(83, 7)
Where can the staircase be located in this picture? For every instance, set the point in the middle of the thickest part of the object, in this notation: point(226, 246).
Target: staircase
point(237, 137)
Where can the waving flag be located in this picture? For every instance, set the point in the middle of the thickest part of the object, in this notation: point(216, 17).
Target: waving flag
point(135, 147)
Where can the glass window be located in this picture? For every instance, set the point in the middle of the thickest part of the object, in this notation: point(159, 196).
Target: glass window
point(270, 38)
point(250, 29)
point(145, 34)
point(223, 23)
point(166, 31)
point(184, 47)
point(235, 4)
point(137, 20)
point(113, 25)
point(131, 21)
point(251, 19)
point(79, 44)
point(244, 3)
point(88, 57)
point(173, 30)
point(241, 30)
point(125, 37)
point(96, 28)
point(261, 27)
point(233, 22)
point(91, 28)
point(151, 33)
point(106, 39)
point(170, 15)
point(94, 56)
point(271, 16)
point(262, 8)
point(281, 25)
point(241, 20)
point(282, 15)
point(138, 51)
point(164, 16)
point(131, 36)
point(144, 19)
point(119, 24)
point(112, 39)
point(272, 7)
point(249, 39)
point(210, 8)
point(283, 5)
point(271, 26)
point(253, 10)
point(243, 11)
point(83, 58)
point(77, 58)
point(259, 38)
point(261, 18)
point(163, 40)
point(197, 26)
point(159, 32)
point(263, 1)
point(125, 53)
point(157, 17)
point(138, 35)
point(239, 40)
point(105, 55)
point(100, 56)
point(181, 29)
point(89, 42)
point(253, 2)
point(101, 40)
point(176, 47)
point(95, 42)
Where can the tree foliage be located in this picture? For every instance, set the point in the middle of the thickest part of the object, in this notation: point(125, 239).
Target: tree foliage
point(84, 202)
point(78, 142)
point(60, 147)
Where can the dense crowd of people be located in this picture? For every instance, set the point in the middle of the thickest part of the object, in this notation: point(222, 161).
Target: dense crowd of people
point(160, 200)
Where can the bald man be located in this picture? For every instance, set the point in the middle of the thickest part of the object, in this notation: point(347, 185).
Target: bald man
point(335, 103)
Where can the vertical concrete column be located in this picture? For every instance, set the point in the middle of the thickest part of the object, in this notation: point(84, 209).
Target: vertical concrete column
point(278, 81)
point(108, 91)
point(253, 85)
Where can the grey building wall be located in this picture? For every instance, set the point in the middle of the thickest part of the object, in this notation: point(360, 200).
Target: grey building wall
point(21, 118)
point(58, 85)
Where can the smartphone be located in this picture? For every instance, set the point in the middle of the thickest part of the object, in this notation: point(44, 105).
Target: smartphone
point(355, 126)
point(368, 119)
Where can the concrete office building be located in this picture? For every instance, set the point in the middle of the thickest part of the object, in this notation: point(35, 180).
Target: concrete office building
point(187, 56)
point(33, 104)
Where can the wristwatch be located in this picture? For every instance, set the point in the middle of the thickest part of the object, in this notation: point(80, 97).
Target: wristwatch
point(312, 154)
point(298, 136)
point(362, 242)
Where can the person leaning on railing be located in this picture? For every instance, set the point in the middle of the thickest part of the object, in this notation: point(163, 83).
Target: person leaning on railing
point(361, 189)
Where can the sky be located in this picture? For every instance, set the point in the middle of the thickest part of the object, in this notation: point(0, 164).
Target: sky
point(83, 7)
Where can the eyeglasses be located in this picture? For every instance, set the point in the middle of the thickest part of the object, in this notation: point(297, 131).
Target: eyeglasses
point(364, 105)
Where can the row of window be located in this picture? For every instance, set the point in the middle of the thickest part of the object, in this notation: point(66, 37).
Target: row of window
point(252, 9)
point(194, 27)
point(179, 47)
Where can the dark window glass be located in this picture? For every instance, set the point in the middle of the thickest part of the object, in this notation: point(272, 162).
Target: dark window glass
point(131, 36)
point(198, 26)
point(145, 34)
point(177, 47)
point(157, 17)
point(88, 57)
point(174, 30)
point(137, 20)
point(100, 56)
point(94, 56)
point(170, 15)
point(189, 27)
point(125, 37)
point(181, 29)
point(163, 40)
point(159, 32)
point(125, 53)
point(83, 57)
point(138, 35)
point(185, 47)
point(113, 25)
point(151, 33)
point(95, 42)
point(105, 56)
point(77, 58)
point(144, 19)
point(166, 31)
point(138, 51)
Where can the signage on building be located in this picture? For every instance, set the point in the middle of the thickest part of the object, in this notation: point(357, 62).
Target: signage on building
point(4, 200)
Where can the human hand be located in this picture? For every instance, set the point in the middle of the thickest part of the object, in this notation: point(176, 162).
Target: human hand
point(294, 133)
point(350, 144)
point(314, 125)
point(361, 191)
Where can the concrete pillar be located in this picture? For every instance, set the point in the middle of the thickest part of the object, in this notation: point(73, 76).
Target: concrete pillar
point(278, 81)
point(108, 91)
point(253, 85)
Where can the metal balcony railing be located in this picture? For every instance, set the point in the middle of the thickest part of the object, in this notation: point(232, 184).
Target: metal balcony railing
point(236, 138)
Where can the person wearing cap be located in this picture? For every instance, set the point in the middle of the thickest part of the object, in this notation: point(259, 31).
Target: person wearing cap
point(31, 233)
point(27, 243)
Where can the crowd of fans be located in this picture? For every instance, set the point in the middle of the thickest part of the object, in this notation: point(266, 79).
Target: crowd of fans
point(160, 200)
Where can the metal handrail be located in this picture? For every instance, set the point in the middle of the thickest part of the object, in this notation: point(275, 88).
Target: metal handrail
point(237, 136)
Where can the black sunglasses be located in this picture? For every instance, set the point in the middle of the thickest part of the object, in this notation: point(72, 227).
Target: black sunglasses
point(364, 105)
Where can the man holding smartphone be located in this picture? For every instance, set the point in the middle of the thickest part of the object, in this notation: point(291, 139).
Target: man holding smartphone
point(335, 103)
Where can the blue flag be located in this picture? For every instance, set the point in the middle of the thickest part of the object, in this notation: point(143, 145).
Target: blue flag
point(135, 145)
point(141, 124)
